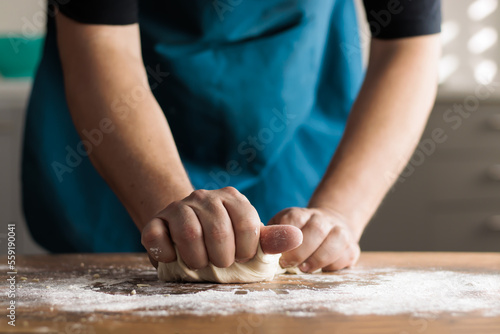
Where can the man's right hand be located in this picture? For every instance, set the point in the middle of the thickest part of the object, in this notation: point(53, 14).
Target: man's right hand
point(216, 226)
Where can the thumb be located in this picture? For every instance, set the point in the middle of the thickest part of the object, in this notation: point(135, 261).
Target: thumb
point(279, 238)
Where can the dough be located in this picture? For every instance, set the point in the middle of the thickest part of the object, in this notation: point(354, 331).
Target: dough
point(262, 267)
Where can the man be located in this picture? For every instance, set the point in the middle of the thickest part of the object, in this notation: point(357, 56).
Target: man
point(267, 97)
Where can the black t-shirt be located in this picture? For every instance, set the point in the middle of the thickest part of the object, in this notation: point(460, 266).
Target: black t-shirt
point(387, 18)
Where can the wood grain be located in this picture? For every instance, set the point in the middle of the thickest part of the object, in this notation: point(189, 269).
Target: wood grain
point(32, 317)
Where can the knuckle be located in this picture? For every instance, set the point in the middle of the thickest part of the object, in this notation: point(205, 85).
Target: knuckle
point(199, 195)
point(246, 226)
point(218, 233)
point(189, 233)
point(232, 191)
point(294, 215)
point(337, 232)
point(213, 204)
point(343, 235)
point(173, 206)
point(320, 226)
point(179, 212)
point(293, 212)
point(315, 223)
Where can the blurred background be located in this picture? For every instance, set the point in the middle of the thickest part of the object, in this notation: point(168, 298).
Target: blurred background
point(448, 196)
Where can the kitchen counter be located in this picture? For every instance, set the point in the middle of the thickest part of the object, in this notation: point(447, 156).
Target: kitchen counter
point(384, 293)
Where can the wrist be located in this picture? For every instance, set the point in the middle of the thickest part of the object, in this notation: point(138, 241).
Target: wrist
point(353, 218)
point(149, 206)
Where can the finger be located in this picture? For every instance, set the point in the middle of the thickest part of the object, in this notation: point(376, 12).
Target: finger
point(279, 238)
point(315, 232)
point(155, 238)
point(332, 249)
point(217, 228)
point(245, 221)
point(297, 217)
point(347, 260)
point(187, 234)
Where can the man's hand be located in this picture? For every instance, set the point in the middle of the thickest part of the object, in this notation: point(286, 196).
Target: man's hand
point(216, 226)
point(328, 244)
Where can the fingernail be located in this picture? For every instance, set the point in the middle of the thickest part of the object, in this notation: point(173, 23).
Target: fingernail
point(304, 267)
point(286, 264)
point(242, 260)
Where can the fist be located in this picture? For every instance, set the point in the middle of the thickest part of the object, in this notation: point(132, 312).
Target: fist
point(213, 226)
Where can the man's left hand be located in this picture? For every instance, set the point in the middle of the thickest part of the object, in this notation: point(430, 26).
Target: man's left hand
point(329, 243)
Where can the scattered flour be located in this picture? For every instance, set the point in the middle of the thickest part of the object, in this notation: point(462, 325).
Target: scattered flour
point(352, 292)
point(155, 251)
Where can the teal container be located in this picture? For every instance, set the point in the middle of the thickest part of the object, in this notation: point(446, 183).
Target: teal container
point(19, 56)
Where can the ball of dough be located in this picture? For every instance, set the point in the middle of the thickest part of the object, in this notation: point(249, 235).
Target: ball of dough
point(262, 267)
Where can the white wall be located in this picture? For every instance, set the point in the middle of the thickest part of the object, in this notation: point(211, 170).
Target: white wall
point(22, 16)
point(471, 51)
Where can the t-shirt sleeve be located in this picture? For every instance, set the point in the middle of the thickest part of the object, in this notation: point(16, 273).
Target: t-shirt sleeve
point(113, 12)
point(403, 18)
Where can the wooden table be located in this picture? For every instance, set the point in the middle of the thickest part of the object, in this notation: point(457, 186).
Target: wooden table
point(93, 293)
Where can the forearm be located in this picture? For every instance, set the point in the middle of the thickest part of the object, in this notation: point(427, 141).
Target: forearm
point(137, 156)
point(386, 122)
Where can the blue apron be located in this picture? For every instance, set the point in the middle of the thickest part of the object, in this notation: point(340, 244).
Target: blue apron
point(256, 93)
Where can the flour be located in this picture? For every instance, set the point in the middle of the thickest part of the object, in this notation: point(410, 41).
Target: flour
point(357, 291)
point(155, 251)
